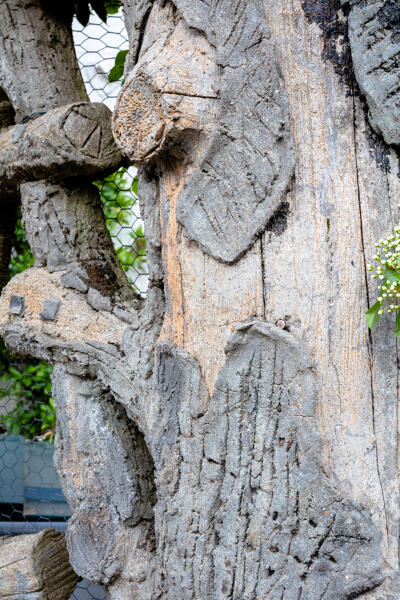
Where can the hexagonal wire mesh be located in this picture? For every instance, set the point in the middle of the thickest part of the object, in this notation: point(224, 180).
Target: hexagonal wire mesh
point(30, 494)
point(96, 47)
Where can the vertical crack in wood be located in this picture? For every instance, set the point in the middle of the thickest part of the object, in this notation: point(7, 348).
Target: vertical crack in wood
point(263, 280)
point(378, 468)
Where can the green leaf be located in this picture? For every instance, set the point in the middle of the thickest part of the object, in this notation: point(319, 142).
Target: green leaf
point(118, 69)
point(115, 73)
point(112, 6)
point(372, 315)
point(15, 373)
point(397, 330)
point(392, 276)
point(120, 58)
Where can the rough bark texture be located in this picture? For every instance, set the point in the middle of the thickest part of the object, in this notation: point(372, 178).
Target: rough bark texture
point(206, 451)
point(70, 141)
point(36, 567)
point(43, 72)
point(374, 32)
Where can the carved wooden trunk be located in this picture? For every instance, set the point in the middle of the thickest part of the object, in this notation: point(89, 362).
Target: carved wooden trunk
point(234, 435)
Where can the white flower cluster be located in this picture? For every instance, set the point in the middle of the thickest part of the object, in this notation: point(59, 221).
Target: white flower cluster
point(388, 271)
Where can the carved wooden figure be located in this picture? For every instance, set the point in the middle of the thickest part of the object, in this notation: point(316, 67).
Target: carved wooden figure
point(235, 434)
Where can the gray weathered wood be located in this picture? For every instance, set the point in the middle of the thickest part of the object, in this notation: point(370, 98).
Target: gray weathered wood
point(206, 452)
point(36, 567)
point(375, 46)
point(69, 141)
point(42, 74)
point(232, 122)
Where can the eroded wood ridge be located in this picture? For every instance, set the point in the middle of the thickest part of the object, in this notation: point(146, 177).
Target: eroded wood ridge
point(43, 74)
point(188, 427)
point(66, 231)
point(75, 308)
point(113, 521)
point(69, 141)
point(362, 41)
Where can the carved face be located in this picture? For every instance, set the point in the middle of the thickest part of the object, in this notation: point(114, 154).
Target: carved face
point(212, 98)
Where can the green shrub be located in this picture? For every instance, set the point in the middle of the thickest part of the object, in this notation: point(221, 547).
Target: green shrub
point(386, 268)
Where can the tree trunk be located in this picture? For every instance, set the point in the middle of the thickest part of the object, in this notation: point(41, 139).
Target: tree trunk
point(235, 435)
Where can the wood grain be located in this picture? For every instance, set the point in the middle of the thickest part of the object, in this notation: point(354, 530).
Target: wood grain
point(316, 271)
point(36, 567)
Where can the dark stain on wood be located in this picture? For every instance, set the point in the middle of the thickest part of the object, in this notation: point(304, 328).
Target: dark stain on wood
point(331, 17)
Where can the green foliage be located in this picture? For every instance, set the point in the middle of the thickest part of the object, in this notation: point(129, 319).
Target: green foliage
point(34, 414)
point(21, 257)
point(27, 382)
point(37, 422)
point(387, 270)
point(118, 69)
point(119, 195)
point(66, 9)
point(112, 6)
point(372, 315)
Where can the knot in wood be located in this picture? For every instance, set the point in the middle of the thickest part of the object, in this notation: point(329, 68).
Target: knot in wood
point(171, 96)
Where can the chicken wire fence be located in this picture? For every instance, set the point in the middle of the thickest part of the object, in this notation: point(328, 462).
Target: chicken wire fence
point(30, 493)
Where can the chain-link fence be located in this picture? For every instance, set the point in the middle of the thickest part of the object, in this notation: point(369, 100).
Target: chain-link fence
point(30, 494)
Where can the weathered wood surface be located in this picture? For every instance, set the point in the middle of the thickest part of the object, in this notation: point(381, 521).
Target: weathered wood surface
point(220, 110)
point(69, 141)
point(75, 306)
point(309, 269)
point(343, 201)
point(43, 74)
point(374, 35)
point(36, 567)
point(206, 452)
